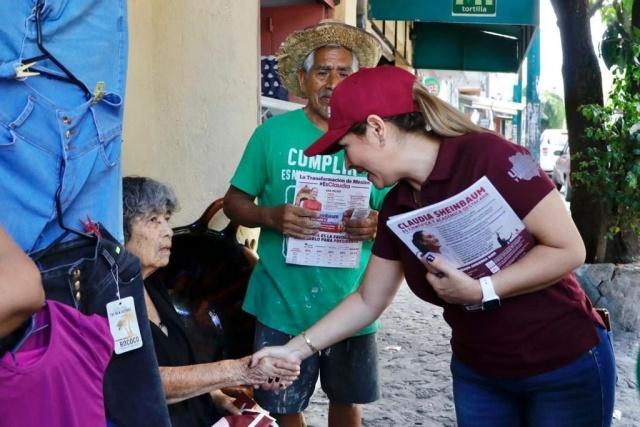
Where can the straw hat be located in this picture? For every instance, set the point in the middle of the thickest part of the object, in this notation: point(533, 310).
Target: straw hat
point(299, 44)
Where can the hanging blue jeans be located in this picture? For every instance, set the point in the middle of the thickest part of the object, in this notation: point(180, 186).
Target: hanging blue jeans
point(579, 394)
point(43, 146)
point(50, 133)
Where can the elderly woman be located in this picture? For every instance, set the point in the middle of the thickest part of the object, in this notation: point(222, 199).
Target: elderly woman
point(192, 390)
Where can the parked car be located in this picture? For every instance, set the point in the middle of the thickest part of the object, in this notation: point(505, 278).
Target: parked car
point(552, 141)
point(561, 172)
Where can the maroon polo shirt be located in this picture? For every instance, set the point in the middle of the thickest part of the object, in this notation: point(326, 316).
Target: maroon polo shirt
point(528, 334)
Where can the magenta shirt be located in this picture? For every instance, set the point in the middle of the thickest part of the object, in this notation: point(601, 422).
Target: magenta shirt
point(56, 377)
point(528, 334)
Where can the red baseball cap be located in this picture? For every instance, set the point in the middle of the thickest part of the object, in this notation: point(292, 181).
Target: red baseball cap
point(386, 91)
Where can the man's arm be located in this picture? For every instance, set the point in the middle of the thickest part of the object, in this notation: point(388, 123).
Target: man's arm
point(21, 292)
point(288, 219)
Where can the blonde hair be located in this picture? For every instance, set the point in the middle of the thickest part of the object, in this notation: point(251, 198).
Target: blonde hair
point(440, 117)
point(434, 116)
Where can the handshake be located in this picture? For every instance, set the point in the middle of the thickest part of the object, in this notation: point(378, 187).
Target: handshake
point(272, 368)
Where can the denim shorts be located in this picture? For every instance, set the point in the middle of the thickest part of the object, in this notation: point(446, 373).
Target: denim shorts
point(579, 394)
point(81, 273)
point(348, 373)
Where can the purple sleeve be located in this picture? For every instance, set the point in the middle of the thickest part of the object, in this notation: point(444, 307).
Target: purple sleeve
point(517, 176)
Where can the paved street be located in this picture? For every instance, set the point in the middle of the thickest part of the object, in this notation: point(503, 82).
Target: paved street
point(414, 365)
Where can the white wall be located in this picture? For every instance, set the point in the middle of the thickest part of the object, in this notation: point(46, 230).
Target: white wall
point(192, 95)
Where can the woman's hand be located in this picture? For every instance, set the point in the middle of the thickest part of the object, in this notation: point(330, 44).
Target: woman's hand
point(451, 284)
point(224, 404)
point(268, 370)
point(283, 353)
point(282, 356)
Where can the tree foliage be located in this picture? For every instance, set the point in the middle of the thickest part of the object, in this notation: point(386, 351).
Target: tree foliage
point(615, 170)
point(612, 168)
point(552, 110)
point(617, 47)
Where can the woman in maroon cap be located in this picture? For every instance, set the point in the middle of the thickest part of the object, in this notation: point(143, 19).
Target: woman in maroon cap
point(535, 353)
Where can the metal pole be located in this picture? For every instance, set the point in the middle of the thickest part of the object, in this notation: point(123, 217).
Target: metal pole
point(517, 119)
point(533, 100)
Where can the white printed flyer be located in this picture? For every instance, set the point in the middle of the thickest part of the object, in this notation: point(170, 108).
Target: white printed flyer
point(337, 198)
point(476, 230)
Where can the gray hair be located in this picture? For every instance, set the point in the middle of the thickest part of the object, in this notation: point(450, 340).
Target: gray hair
point(309, 61)
point(144, 197)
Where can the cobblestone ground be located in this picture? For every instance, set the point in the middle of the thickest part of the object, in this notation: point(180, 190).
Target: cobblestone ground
point(414, 371)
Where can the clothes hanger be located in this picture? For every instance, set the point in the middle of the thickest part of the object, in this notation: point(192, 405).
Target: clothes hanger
point(26, 71)
point(31, 330)
point(61, 224)
point(27, 63)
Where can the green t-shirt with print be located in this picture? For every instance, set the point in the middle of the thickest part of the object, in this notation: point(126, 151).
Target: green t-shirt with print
point(289, 297)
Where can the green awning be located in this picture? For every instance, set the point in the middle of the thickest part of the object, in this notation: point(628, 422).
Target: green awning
point(478, 35)
point(470, 47)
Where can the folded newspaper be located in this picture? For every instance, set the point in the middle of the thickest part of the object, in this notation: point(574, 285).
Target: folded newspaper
point(476, 230)
point(337, 199)
point(252, 415)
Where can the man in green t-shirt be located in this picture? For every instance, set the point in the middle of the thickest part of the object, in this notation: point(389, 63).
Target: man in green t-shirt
point(287, 298)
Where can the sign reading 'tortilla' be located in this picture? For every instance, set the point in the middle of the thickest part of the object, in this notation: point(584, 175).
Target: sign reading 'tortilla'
point(473, 8)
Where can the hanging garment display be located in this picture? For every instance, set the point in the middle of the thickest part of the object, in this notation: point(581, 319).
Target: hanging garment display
point(63, 67)
point(55, 376)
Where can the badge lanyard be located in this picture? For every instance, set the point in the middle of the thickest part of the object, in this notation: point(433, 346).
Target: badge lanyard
point(123, 321)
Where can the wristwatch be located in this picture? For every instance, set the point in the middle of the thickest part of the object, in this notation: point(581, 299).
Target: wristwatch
point(490, 300)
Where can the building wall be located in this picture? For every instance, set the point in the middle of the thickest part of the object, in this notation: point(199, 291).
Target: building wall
point(192, 95)
point(276, 23)
point(346, 12)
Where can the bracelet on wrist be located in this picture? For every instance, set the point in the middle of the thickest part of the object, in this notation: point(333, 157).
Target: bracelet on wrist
point(308, 341)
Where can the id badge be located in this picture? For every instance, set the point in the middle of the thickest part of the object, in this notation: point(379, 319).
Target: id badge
point(123, 324)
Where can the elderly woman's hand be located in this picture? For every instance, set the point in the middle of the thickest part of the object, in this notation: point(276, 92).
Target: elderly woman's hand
point(224, 403)
point(281, 373)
